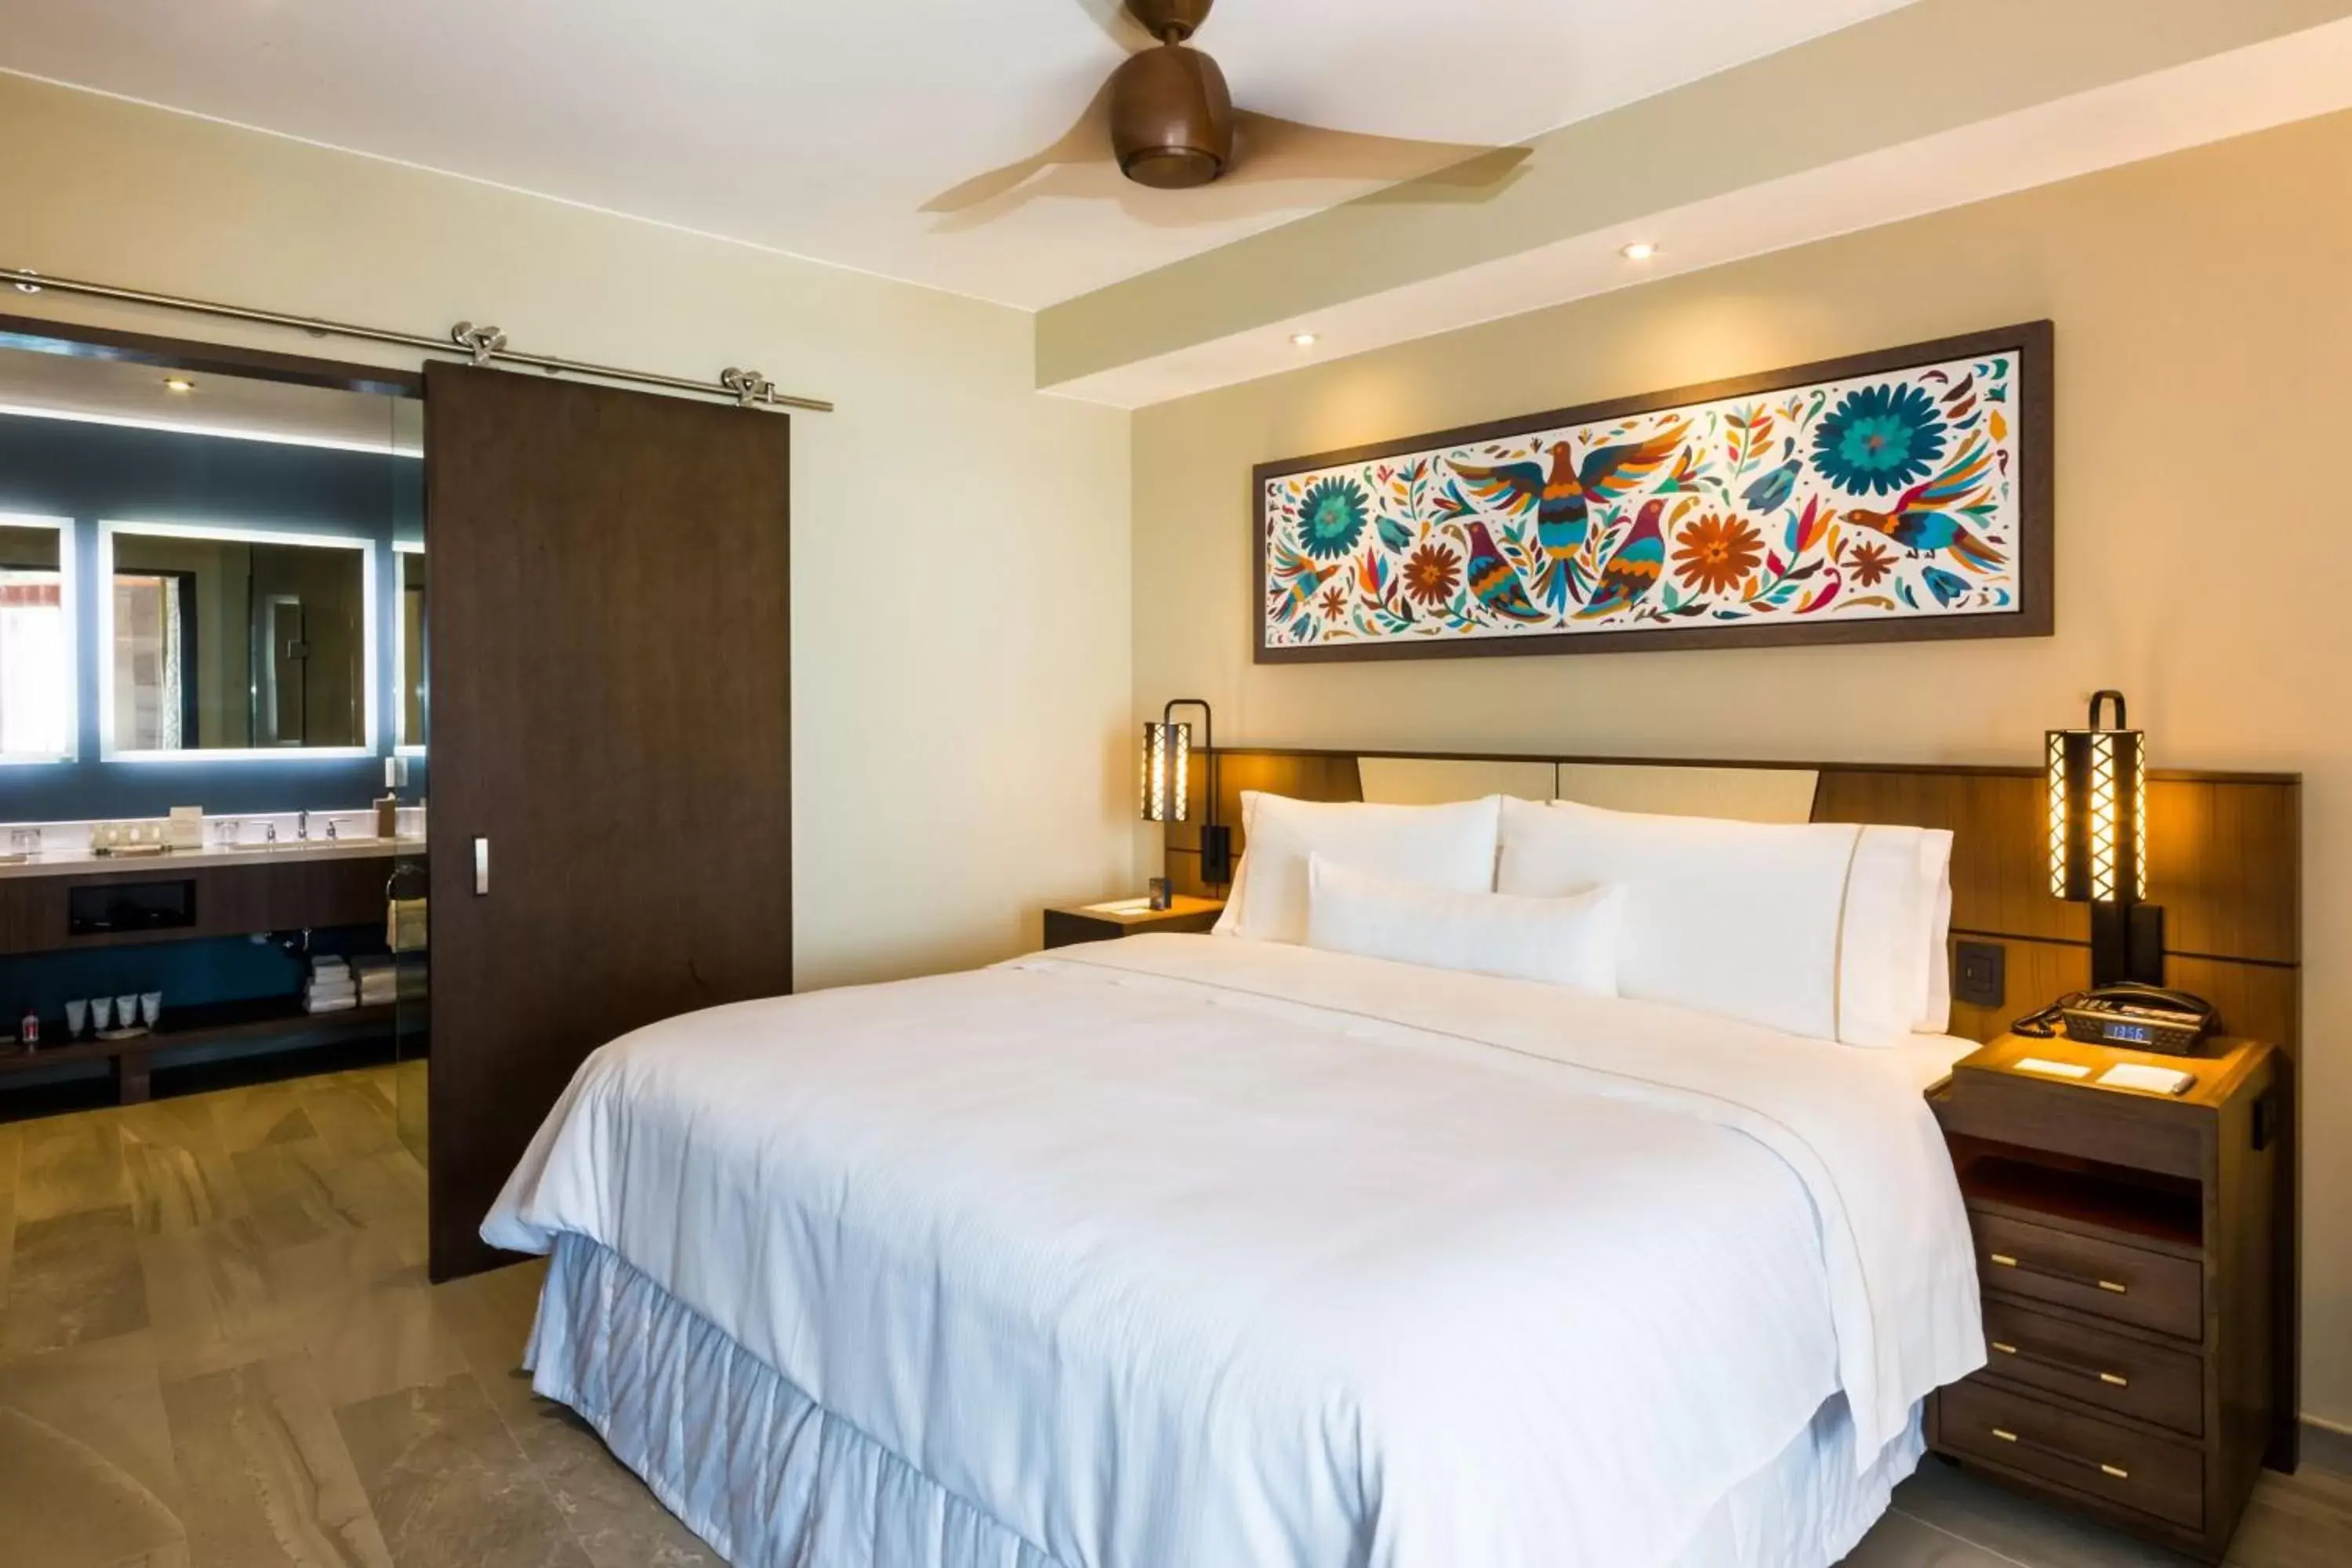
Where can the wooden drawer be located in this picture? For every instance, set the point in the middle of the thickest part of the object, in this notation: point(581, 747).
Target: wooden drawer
point(2129, 1284)
point(2096, 1366)
point(2153, 1474)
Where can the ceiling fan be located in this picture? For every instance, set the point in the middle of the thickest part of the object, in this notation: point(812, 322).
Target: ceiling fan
point(1167, 121)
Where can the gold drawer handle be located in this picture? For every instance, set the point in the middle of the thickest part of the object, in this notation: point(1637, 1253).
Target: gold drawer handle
point(2112, 1287)
point(2113, 1379)
point(2006, 1436)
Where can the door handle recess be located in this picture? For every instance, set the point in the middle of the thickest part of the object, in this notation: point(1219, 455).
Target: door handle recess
point(481, 868)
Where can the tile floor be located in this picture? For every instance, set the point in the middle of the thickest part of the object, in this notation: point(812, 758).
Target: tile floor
point(217, 1350)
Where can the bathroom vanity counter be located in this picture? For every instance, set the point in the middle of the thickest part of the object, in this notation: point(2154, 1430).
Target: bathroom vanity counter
point(85, 862)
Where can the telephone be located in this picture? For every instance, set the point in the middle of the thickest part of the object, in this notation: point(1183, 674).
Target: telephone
point(2144, 1018)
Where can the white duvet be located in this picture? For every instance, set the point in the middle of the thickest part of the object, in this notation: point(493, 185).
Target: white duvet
point(1189, 1252)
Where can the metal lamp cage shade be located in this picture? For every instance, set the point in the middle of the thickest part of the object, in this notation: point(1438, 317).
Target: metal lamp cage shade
point(1167, 758)
point(2099, 810)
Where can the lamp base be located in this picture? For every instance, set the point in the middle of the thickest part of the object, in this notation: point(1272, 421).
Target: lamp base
point(2126, 944)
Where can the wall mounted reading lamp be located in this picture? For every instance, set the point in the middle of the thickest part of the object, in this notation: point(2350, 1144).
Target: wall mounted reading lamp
point(1167, 758)
point(2098, 843)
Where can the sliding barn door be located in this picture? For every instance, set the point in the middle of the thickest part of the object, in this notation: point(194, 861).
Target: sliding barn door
point(611, 750)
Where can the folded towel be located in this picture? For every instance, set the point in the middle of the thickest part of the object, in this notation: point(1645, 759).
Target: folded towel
point(330, 1004)
point(330, 964)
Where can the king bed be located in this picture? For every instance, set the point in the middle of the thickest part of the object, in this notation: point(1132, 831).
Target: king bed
point(1466, 1201)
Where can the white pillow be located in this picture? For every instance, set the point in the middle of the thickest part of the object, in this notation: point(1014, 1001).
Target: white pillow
point(1737, 917)
point(1886, 963)
point(1561, 942)
point(1449, 846)
point(1935, 1017)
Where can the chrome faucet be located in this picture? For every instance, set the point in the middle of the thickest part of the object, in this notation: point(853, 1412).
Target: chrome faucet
point(302, 825)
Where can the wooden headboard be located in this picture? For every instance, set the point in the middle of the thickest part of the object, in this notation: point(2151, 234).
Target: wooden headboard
point(2224, 855)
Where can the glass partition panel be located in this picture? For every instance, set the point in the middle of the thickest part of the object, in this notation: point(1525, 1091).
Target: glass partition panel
point(36, 651)
point(231, 641)
point(415, 702)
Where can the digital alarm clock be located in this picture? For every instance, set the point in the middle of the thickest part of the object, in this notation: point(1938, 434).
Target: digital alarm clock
point(2141, 1018)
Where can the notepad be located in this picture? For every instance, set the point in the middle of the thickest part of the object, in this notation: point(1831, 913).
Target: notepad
point(2053, 1069)
point(1122, 907)
point(2153, 1080)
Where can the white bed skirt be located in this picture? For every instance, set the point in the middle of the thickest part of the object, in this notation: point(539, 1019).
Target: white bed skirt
point(772, 1480)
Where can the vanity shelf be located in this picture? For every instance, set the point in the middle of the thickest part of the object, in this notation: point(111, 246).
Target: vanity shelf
point(215, 1024)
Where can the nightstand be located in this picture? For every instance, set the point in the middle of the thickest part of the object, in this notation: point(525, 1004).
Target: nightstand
point(2124, 1242)
point(1070, 923)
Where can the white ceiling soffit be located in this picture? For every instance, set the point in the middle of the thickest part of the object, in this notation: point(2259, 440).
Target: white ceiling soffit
point(57, 386)
point(824, 130)
point(2232, 94)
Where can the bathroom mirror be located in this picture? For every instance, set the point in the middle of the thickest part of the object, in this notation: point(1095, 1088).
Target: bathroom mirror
point(412, 699)
point(223, 640)
point(36, 651)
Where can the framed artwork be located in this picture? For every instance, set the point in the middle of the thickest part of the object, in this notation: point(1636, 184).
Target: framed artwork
point(1888, 497)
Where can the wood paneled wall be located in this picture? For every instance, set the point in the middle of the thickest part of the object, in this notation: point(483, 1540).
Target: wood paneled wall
point(2224, 853)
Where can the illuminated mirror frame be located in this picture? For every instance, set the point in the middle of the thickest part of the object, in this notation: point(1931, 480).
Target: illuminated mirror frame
point(401, 746)
point(68, 600)
point(370, 673)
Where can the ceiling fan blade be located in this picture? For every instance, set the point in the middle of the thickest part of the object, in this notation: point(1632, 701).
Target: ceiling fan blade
point(1267, 148)
point(1086, 141)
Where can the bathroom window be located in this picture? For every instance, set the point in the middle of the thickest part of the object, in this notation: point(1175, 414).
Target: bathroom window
point(223, 640)
point(37, 644)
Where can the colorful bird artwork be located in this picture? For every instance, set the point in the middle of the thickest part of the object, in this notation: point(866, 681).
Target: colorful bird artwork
point(1890, 494)
point(1562, 500)
point(1295, 596)
point(1633, 569)
point(1296, 581)
point(1923, 521)
point(1493, 580)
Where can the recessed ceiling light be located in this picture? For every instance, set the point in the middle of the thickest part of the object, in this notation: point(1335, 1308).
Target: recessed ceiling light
point(1303, 340)
point(1639, 250)
point(178, 384)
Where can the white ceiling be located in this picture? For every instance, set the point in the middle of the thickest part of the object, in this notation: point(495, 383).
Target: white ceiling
point(823, 129)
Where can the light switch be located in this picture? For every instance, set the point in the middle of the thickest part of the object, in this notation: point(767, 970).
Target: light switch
point(1979, 974)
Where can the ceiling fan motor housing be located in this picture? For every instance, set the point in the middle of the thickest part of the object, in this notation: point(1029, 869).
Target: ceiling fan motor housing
point(1171, 118)
point(1170, 20)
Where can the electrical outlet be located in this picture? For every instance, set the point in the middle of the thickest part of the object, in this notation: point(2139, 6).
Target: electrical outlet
point(1979, 974)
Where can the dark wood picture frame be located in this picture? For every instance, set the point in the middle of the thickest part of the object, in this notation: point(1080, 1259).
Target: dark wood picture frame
point(2034, 616)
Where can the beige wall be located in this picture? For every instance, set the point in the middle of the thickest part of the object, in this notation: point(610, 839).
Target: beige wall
point(2205, 389)
point(955, 535)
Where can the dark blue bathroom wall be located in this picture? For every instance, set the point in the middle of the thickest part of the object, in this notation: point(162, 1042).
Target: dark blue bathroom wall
point(90, 472)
